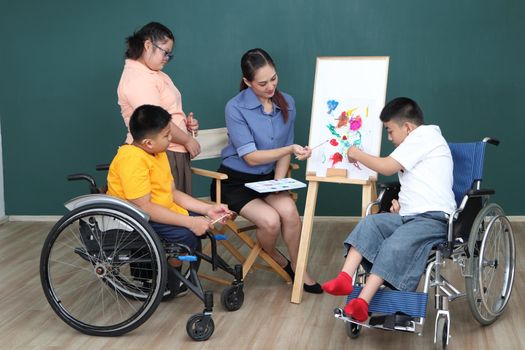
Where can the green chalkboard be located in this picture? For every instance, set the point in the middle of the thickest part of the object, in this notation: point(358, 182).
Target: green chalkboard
point(60, 64)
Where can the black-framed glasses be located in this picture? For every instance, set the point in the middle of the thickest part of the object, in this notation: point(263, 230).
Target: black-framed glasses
point(167, 54)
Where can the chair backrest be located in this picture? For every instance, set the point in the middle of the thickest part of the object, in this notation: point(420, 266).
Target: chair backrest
point(212, 142)
point(468, 166)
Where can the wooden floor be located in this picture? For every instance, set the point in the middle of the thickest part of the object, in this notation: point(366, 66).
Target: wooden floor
point(267, 320)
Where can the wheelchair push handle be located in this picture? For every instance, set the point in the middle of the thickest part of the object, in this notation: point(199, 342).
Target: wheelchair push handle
point(491, 140)
point(101, 167)
point(92, 184)
point(86, 177)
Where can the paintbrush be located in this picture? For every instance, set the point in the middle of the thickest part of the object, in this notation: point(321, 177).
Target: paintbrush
point(311, 149)
point(322, 143)
point(213, 222)
point(190, 119)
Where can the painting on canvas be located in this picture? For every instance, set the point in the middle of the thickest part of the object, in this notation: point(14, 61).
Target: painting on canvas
point(349, 93)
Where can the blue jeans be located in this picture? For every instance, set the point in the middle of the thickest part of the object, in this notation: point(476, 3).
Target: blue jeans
point(397, 247)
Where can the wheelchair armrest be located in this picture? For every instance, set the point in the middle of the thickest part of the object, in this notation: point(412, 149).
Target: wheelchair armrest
point(480, 193)
point(209, 173)
point(389, 191)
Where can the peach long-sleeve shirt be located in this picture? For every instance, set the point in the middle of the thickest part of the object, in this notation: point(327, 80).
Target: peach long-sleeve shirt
point(140, 85)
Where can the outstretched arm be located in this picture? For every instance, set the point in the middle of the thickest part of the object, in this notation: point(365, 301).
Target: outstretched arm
point(197, 224)
point(213, 211)
point(384, 165)
point(271, 155)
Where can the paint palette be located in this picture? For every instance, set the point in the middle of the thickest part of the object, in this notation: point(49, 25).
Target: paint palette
point(275, 185)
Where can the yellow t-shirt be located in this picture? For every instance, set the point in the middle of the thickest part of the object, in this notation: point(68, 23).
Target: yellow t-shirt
point(134, 173)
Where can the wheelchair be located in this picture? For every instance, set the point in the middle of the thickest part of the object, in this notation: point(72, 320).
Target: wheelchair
point(480, 241)
point(104, 270)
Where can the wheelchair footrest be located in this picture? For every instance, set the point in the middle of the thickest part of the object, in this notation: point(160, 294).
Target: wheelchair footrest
point(393, 302)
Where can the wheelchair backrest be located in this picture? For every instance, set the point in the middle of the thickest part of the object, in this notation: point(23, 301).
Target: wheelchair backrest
point(468, 167)
point(468, 172)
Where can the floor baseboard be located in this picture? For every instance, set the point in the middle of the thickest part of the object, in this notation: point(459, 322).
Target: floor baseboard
point(36, 218)
point(54, 218)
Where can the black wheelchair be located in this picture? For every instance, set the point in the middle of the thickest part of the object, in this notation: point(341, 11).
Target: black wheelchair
point(104, 270)
point(480, 241)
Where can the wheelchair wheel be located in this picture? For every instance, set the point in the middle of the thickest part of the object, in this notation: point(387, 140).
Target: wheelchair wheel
point(103, 269)
point(491, 264)
point(352, 330)
point(199, 327)
point(232, 298)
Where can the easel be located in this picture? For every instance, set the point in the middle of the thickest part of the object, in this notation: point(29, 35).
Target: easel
point(336, 80)
point(334, 176)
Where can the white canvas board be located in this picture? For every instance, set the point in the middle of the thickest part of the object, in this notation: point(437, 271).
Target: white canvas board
point(349, 93)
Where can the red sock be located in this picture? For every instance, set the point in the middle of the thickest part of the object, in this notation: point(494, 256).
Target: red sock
point(341, 285)
point(357, 309)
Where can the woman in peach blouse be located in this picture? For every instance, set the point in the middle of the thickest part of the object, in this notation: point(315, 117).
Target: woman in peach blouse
point(143, 82)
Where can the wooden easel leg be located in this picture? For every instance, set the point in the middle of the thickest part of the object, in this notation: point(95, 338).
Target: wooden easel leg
point(304, 244)
point(369, 195)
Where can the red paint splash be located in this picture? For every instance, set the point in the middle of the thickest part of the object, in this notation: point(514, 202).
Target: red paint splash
point(334, 142)
point(336, 158)
point(343, 120)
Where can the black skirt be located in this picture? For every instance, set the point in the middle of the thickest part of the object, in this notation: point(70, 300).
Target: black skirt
point(233, 191)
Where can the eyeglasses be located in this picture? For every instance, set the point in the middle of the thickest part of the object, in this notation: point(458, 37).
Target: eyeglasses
point(167, 54)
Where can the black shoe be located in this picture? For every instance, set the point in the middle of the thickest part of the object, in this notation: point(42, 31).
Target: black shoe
point(289, 271)
point(314, 288)
point(183, 290)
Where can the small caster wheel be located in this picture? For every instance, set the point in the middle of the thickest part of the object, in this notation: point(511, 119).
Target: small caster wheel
point(442, 332)
point(232, 298)
point(199, 327)
point(352, 330)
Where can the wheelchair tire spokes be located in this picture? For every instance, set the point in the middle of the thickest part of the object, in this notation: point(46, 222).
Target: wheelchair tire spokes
point(93, 270)
point(491, 264)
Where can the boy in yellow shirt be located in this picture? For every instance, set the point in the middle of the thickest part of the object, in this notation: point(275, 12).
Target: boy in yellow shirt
point(140, 173)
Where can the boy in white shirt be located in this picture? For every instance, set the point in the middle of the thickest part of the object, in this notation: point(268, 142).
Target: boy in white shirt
point(397, 244)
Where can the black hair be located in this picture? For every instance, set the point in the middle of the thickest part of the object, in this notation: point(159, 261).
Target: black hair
point(153, 31)
point(402, 109)
point(251, 61)
point(148, 120)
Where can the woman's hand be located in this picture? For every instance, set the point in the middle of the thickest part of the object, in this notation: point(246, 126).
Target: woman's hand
point(193, 147)
point(192, 124)
point(307, 152)
point(300, 152)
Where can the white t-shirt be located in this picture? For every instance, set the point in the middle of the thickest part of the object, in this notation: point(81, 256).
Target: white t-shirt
point(426, 179)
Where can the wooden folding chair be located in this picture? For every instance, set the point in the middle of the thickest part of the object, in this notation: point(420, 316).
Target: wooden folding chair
point(212, 142)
